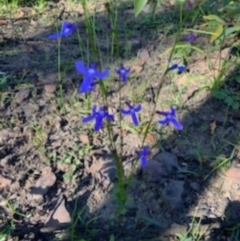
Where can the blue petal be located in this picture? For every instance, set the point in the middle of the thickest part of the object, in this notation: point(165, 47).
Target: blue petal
point(94, 109)
point(174, 66)
point(176, 124)
point(54, 36)
point(102, 75)
point(143, 162)
point(145, 151)
point(173, 112)
point(98, 123)
point(80, 67)
point(181, 69)
point(138, 108)
point(164, 122)
point(88, 118)
point(135, 119)
point(125, 112)
point(65, 25)
point(128, 70)
point(123, 77)
point(68, 28)
point(86, 84)
point(110, 117)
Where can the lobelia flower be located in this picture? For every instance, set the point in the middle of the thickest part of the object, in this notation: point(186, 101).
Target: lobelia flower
point(170, 117)
point(91, 87)
point(180, 67)
point(90, 73)
point(189, 5)
point(190, 38)
point(98, 116)
point(109, 26)
point(66, 30)
point(133, 112)
point(143, 155)
point(123, 73)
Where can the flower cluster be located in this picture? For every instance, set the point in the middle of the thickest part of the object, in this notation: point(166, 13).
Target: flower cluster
point(91, 75)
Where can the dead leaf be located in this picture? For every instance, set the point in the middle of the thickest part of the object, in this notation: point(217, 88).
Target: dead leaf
point(122, 132)
point(20, 13)
point(137, 69)
point(213, 126)
point(50, 88)
point(84, 138)
point(150, 138)
point(4, 182)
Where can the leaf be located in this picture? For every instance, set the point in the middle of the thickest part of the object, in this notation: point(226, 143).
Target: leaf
point(232, 30)
point(216, 33)
point(213, 126)
point(138, 6)
point(112, 238)
point(233, 12)
point(212, 17)
point(150, 138)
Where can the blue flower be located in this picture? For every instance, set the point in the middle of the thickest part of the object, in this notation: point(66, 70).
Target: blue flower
point(180, 67)
point(123, 72)
point(143, 155)
point(66, 30)
point(89, 73)
point(190, 38)
point(170, 117)
point(173, 66)
point(133, 112)
point(98, 116)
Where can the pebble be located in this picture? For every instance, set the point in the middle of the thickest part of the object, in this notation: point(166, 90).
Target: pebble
point(195, 186)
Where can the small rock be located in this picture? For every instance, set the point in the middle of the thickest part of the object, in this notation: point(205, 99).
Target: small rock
point(172, 194)
point(46, 181)
point(50, 88)
point(153, 172)
point(195, 186)
point(21, 95)
point(58, 217)
point(4, 182)
point(143, 54)
point(233, 173)
point(84, 138)
point(169, 162)
point(4, 135)
point(137, 69)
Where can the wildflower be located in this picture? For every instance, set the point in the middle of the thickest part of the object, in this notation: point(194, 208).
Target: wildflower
point(66, 30)
point(123, 73)
point(109, 26)
point(180, 67)
point(143, 154)
point(133, 112)
point(189, 5)
point(98, 116)
point(190, 38)
point(170, 117)
point(91, 87)
point(89, 73)
point(173, 66)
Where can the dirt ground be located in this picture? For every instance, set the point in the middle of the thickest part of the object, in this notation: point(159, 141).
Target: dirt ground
point(55, 173)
